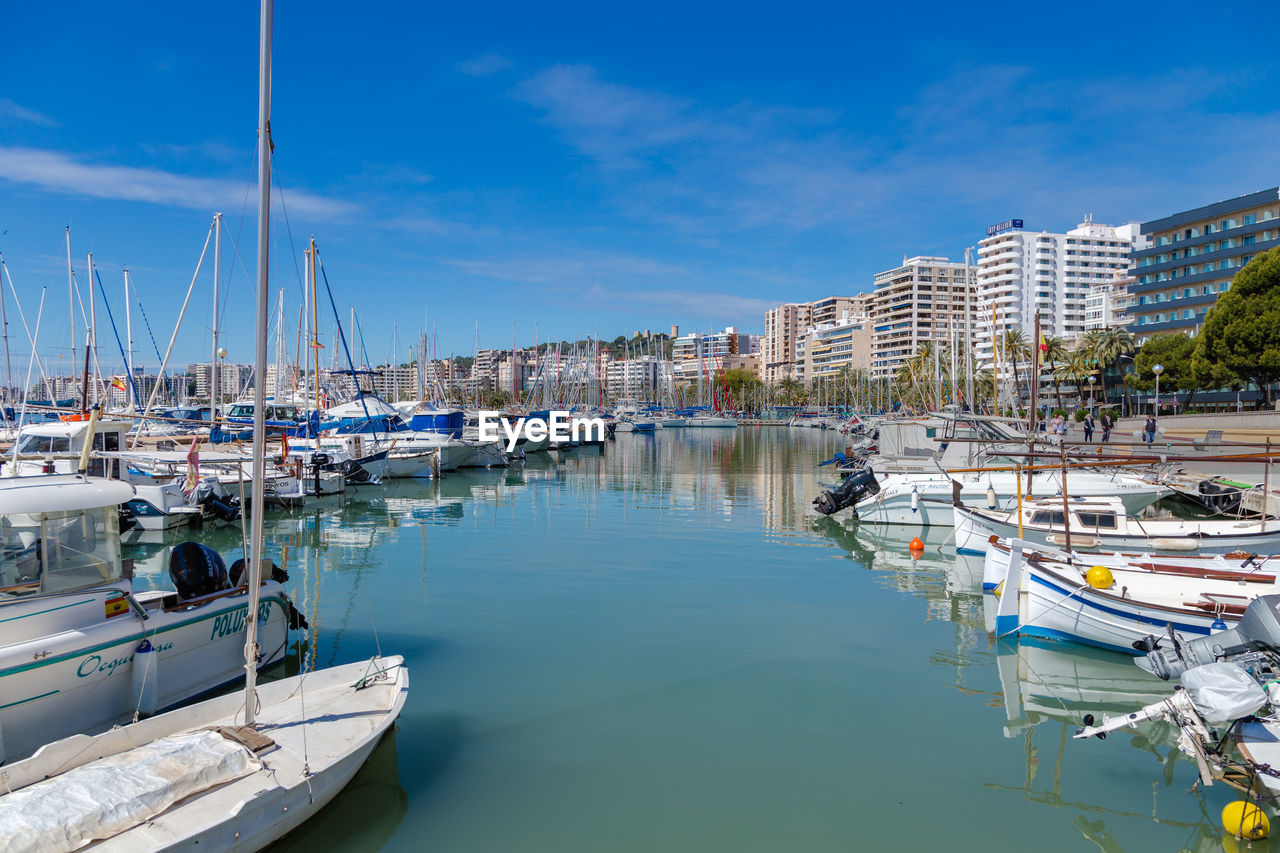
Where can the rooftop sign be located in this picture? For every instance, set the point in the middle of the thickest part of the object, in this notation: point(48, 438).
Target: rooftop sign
point(1007, 225)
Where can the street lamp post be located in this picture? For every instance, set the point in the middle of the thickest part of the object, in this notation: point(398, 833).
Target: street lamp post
point(1157, 370)
point(1092, 379)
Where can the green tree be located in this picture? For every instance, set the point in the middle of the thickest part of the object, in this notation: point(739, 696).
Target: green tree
point(1107, 346)
point(1055, 351)
point(496, 399)
point(1075, 368)
point(1016, 350)
point(1240, 332)
point(739, 382)
point(1174, 353)
point(791, 391)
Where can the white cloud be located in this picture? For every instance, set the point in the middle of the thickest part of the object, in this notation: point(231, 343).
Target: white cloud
point(972, 144)
point(53, 171)
point(14, 111)
point(484, 66)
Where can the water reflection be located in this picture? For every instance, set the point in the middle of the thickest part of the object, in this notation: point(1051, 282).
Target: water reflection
point(663, 632)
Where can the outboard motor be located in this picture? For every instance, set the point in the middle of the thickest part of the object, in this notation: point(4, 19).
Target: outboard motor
point(1258, 632)
point(209, 495)
point(197, 570)
point(276, 574)
point(855, 487)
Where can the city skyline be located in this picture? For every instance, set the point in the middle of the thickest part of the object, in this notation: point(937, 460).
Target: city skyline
point(550, 172)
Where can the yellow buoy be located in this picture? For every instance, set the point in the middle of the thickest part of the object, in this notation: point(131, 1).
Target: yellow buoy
point(1099, 577)
point(1245, 820)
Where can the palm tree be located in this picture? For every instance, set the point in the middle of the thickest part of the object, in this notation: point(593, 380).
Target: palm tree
point(1055, 350)
point(1016, 349)
point(790, 390)
point(1075, 368)
point(1106, 346)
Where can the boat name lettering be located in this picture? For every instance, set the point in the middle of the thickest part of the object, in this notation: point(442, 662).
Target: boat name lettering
point(96, 663)
point(232, 622)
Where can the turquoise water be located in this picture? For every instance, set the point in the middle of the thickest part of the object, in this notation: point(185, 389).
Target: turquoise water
point(661, 648)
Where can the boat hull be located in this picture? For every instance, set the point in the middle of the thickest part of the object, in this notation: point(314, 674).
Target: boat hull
point(71, 678)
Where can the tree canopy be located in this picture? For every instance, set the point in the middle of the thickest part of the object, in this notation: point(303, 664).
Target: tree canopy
point(1174, 353)
point(1240, 332)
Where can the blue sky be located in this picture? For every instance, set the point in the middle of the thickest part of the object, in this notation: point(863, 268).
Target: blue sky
point(595, 166)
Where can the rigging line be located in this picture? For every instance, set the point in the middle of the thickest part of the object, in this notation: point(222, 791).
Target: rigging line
point(315, 259)
point(168, 384)
point(284, 209)
point(114, 330)
point(235, 241)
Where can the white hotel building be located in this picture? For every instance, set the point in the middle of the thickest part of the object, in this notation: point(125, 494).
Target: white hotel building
point(1022, 273)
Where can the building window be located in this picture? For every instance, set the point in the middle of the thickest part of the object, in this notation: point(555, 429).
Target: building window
point(1249, 219)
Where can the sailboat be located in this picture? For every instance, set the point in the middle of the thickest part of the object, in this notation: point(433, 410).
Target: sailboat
point(232, 772)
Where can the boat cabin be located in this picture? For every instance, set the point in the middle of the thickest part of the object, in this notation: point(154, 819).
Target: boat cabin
point(59, 534)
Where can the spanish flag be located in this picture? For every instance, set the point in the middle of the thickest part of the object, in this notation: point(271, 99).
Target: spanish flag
point(1044, 345)
point(116, 606)
point(117, 383)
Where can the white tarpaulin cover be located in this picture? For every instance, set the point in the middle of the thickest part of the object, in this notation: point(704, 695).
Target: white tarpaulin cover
point(1223, 692)
point(105, 797)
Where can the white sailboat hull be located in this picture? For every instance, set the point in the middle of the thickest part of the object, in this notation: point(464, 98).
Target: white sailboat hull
point(322, 727)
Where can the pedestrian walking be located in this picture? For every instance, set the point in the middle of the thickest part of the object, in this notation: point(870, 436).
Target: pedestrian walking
point(1150, 429)
point(1088, 428)
point(1106, 424)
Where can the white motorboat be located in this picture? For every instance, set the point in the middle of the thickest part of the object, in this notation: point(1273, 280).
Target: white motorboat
point(56, 447)
point(1103, 524)
point(79, 649)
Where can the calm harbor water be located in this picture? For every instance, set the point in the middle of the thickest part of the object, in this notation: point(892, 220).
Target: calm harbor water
point(661, 648)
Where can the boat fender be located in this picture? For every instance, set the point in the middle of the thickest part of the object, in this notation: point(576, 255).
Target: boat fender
point(915, 499)
point(145, 677)
point(1099, 577)
point(991, 496)
point(1245, 820)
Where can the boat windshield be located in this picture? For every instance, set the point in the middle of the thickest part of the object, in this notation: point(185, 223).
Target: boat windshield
point(62, 551)
point(44, 444)
point(241, 410)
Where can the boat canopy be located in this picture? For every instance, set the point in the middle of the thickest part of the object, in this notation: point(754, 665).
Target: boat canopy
point(60, 493)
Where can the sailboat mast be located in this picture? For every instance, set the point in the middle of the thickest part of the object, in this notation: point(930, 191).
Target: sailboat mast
point(315, 324)
point(217, 280)
point(93, 333)
point(4, 330)
point(128, 333)
point(254, 562)
point(71, 299)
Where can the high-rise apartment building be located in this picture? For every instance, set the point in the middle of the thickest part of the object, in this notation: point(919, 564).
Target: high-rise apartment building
point(829, 348)
point(698, 353)
point(1193, 256)
point(924, 300)
point(1107, 304)
point(1023, 273)
point(786, 326)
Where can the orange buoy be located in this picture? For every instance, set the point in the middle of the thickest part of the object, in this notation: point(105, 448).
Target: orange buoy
point(916, 544)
